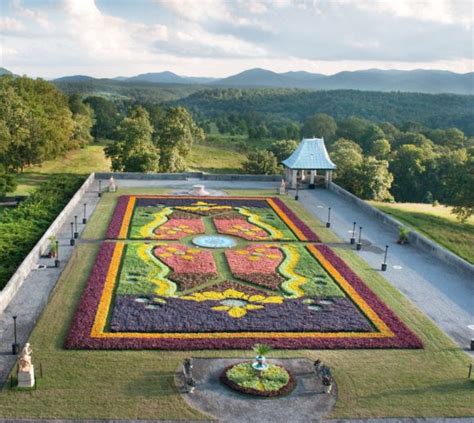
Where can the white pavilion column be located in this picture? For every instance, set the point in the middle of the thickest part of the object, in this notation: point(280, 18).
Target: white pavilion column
point(294, 176)
point(311, 177)
point(303, 175)
point(327, 178)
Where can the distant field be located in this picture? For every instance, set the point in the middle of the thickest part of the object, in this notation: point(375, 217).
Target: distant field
point(83, 161)
point(436, 223)
point(215, 160)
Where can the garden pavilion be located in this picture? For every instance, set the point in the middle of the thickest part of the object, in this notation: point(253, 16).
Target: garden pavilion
point(303, 165)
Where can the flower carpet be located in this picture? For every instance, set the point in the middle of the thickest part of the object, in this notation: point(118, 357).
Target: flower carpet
point(151, 288)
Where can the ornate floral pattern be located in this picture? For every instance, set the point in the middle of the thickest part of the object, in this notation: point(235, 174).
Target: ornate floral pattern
point(265, 302)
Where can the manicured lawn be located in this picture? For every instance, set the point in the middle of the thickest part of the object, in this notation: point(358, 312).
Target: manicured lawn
point(436, 223)
point(139, 384)
point(215, 160)
point(83, 161)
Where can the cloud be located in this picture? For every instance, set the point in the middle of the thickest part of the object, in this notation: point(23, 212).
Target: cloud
point(219, 37)
point(10, 25)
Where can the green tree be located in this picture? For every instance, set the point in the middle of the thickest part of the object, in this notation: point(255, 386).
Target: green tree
point(83, 117)
point(409, 167)
point(175, 134)
point(282, 149)
point(7, 181)
point(36, 123)
point(463, 198)
point(347, 156)
point(319, 125)
point(374, 180)
point(135, 152)
point(381, 149)
point(107, 117)
point(261, 162)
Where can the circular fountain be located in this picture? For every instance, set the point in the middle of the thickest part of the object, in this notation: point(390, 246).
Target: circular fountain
point(214, 241)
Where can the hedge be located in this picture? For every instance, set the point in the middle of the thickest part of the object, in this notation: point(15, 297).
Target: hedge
point(23, 226)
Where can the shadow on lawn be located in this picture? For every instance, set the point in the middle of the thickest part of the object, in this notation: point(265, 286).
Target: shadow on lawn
point(453, 386)
point(151, 384)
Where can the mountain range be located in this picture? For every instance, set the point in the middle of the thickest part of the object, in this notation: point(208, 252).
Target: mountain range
point(420, 80)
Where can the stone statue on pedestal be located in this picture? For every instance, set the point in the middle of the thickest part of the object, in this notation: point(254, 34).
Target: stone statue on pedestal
point(26, 371)
point(112, 184)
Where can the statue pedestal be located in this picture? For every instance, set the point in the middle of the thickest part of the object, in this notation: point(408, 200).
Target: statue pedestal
point(26, 378)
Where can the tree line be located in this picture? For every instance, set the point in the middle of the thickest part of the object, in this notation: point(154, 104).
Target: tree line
point(409, 163)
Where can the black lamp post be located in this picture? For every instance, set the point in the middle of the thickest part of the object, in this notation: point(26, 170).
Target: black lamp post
point(15, 346)
point(76, 233)
point(84, 219)
point(72, 241)
point(353, 238)
point(297, 188)
point(100, 188)
point(328, 223)
point(359, 244)
point(57, 262)
point(384, 264)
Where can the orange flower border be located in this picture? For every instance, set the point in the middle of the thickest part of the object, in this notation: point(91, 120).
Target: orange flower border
point(89, 328)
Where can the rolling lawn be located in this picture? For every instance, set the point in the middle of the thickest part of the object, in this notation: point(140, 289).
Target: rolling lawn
point(436, 223)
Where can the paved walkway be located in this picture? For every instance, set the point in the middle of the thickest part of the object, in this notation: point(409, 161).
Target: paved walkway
point(34, 294)
point(443, 293)
point(305, 403)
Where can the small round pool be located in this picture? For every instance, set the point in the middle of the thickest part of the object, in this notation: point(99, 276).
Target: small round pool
point(214, 241)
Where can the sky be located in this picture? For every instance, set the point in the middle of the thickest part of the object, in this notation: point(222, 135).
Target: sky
point(108, 38)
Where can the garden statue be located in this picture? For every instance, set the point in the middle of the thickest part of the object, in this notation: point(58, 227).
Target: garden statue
point(327, 384)
point(112, 184)
point(24, 360)
point(187, 370)
point(26, 372)
point(318, 364)
point(191, 386)
point(282, 187)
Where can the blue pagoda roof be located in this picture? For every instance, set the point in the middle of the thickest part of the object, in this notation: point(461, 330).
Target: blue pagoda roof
point(311, 154)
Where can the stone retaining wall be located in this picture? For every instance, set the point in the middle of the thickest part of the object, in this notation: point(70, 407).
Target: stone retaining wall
point(188, 175)
point(415, 238)
point(30, 261)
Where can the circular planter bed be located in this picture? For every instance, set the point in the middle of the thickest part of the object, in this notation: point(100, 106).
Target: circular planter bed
point(276, 381)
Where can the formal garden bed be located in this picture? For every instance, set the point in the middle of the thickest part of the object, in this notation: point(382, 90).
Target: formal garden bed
point(275, 382)
point(161, 291)
point(114, 384)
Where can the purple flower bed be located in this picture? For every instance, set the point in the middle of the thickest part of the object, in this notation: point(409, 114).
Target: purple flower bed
point(86, 310)
point(186, 316)
point(144, 201)
point(404, 338)
point(115, 224)
point(303, 227)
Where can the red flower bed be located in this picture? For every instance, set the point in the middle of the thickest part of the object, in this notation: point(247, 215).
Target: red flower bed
point(175, 229)
point(241, 228)
point(259, 258)
point(186, 260)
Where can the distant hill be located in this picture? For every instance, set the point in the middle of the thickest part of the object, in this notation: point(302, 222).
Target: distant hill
point(169, 78)
point(431, 110)
point(422, 81)
point(74, 78)
point(4, 71)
